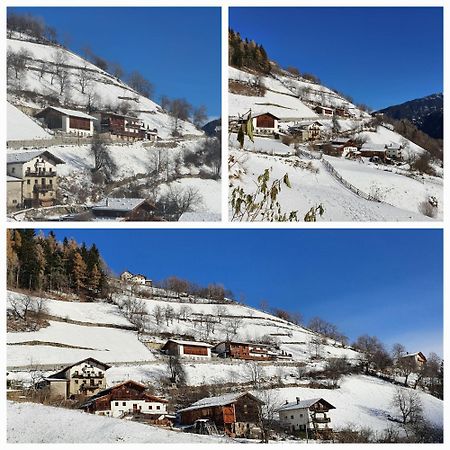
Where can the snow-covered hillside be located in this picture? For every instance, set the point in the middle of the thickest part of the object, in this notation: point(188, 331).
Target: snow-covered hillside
point(34, 423)
point(21, 127)
point(363, 401)
point(79, 330)
point(109, 338)
point(107, 88)
point(402, 194)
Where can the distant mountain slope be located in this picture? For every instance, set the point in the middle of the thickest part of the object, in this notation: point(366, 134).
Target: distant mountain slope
point(426, 113)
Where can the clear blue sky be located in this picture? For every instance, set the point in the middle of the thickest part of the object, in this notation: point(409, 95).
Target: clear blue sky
point(177, 49)
point(381, 282)
point(379, 56)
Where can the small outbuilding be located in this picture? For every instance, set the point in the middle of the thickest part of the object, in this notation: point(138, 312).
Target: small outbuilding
point(234, 414)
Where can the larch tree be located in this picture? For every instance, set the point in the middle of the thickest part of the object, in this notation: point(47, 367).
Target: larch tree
point(78, 272)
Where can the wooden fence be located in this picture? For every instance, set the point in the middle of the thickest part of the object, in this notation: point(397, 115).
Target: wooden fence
point(348, 185)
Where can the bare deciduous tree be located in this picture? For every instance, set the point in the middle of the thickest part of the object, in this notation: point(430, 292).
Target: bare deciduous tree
point(408, 404)
point(102, 158)
point(199, 116)
point(158, 314)
point(176, 370)
point(84, 78)
point(140, 84)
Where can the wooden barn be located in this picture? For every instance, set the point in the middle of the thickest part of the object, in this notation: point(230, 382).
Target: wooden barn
point(324, 111)
point(128, 398)
point(120, 126)
point(342, 112)
point(192, 349)
point(368, 150)
point(235, 414)
point(68, 121)
point(265, 124)
point(244, 350)
point(123, 208)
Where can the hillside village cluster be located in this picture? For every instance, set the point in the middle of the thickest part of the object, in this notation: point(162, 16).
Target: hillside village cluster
point(237, 415)
point(331, 149)
point(69, 120)
point(314, 132)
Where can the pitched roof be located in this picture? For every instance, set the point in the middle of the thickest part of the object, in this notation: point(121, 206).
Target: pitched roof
point(11, 178)
point(118, 204)
point(69, 112)
point(302, 404)
point(415, 354)
point(194, 343)
point(106, 391)
point(27, 155)
point(56, 375)
point(221, 400)
point(373, 147)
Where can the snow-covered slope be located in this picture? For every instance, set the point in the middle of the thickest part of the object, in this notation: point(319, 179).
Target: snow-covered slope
point(35, 423)
point(107, 88)
point(311, 188)
point(65, 342)
point(363, 401)
point(21, 127)
point(402, 194)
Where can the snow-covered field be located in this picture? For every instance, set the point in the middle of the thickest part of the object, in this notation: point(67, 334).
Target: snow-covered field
point(311, 189)
point(73, 342)
point(363, 401)
point(396, 189)
point(37, 424)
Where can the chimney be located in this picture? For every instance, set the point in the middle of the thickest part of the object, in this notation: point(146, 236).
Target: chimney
point(298, 400)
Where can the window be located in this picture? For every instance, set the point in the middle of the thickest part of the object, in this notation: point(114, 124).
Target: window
point(124, 403)
point(76, 381)
point(116, 403)
point(13, 170)
point(292, 417)
point(28, 181)
point(158, 407)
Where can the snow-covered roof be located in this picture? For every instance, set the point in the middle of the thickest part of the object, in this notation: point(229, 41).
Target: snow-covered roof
point(118, 204)
point(373, 147)
point(56, 375)
point(25, 156)
point(220, 400)
point(10, 178)
point(137, 385)
point(195, 343)
point(70, 112)
point(302, 404)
